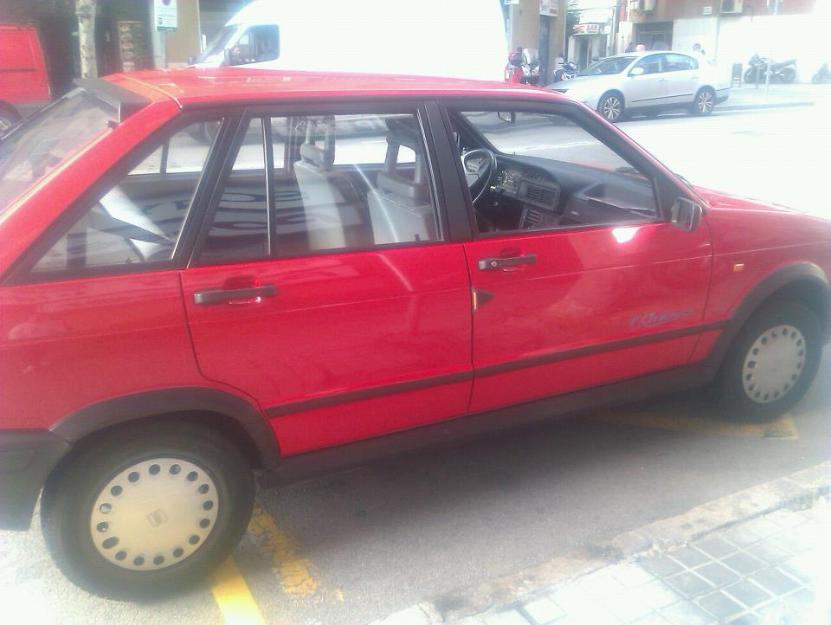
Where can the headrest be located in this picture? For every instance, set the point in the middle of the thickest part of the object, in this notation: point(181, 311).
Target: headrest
point(404, 132)
point(321, 155)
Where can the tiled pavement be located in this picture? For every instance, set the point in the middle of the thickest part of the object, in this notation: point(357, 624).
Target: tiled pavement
point(772, 570)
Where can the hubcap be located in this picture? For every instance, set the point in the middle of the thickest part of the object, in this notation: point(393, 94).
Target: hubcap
point(705, 102)
point(611, 108)
point(154, 514)
point(774, 364)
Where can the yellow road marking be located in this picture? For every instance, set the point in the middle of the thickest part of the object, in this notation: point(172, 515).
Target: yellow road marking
point(783, 427)
point(295, 572)
point(233, 597)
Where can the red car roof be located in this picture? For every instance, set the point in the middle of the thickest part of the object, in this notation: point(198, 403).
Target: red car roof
point(192, 86)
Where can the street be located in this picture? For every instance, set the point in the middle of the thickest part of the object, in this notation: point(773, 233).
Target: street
point(354, 547)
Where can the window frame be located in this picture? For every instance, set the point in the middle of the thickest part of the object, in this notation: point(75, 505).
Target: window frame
point(316, 108)
point(666, 188)
point(659, 56)
point(21, 272)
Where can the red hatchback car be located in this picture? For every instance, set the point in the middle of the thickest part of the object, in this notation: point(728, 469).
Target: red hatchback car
point(211, 275)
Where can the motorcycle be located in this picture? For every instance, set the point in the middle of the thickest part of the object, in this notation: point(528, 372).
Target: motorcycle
point(566, 72)
point(782, 71)
point(822, 76)
point(520, 70)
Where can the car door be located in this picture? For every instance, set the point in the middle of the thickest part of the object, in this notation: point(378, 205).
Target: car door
point(681, 72)
point(324, 284)
point(579, 279)
point(646, 84)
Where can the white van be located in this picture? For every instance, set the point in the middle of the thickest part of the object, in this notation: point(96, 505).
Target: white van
point(454, 38)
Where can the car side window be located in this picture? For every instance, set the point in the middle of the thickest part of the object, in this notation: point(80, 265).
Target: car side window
point(347, 182)
point(679, 63)
point(139, 220)
point(256, 45)
point(653, 64)
point(550, 173)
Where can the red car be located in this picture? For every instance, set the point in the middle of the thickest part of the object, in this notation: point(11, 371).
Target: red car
point(211, 275)
point(24, 77)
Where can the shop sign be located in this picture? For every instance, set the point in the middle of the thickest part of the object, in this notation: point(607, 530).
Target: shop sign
point(166, 14)
point(587, 29)
point(548, 7)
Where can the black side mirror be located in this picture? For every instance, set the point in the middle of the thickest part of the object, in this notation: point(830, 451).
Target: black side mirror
point(685, 214)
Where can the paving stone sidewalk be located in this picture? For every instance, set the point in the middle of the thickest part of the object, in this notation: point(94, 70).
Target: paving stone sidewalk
point(771, 570)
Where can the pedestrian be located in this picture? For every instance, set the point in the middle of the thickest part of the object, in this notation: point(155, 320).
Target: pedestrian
point(641, 47)
point(517, 57)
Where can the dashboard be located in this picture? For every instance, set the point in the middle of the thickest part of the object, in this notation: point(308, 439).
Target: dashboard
point(536, 190)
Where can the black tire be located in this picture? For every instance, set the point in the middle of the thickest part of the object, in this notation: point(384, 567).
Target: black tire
point(8, 118)
point(704, 102)
point(69, 498)
point(739, 397)
point(612, 107)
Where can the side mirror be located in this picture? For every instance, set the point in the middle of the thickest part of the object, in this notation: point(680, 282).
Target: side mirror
point(192, 60)
point(685, 214)
point(509, 118)
point(637, 71)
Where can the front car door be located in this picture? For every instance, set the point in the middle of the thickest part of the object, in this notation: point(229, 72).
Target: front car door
point(324, 283)
point(579, 279)
point(648, 88)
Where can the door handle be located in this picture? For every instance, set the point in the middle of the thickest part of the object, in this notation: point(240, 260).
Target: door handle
point(250, 295)
point(493, 264)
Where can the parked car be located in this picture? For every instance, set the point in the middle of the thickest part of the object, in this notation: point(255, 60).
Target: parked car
point(648, 84)
point(371, 35)
point(24, 78)
point(354, 267)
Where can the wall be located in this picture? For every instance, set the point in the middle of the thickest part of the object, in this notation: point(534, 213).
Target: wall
point(184, 42)
point(688, 32)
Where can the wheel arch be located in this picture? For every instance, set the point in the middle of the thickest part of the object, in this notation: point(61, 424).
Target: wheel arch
point(232, 415)
point(804, 282)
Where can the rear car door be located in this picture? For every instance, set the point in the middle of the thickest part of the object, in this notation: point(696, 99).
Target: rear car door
point(681, 72)
point(648, 88)
point(324, 284)
point(579, 280)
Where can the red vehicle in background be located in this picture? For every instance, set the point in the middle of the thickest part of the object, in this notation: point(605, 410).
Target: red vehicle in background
point(24, 77)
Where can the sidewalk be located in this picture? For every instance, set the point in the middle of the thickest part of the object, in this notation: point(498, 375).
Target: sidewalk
point(749, 97)
point(761, 556)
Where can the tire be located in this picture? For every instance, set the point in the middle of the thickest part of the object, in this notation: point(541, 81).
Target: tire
point(772, 363)
point(612, 107)
point(8, 118)
point(160, 483)
point(704, 102)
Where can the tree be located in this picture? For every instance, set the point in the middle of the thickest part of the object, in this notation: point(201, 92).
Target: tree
point(85, 12)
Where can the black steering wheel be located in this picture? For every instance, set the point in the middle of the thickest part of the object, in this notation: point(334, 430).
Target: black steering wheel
point(480, 166)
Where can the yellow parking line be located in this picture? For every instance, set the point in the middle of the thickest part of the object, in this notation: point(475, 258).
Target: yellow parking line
point(783, 427)
point(233, 597)
point(295, 572)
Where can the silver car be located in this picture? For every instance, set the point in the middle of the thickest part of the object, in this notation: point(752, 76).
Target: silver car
point(647, 83)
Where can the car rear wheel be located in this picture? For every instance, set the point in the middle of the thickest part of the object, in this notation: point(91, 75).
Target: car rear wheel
point(612, 107)
point(772, 363)
point(138, 514)
point(704, 103)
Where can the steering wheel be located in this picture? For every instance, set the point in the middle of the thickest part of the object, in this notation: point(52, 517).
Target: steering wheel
point(480, 166)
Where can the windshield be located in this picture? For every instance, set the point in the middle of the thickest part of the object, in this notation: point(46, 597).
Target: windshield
point(612, 65)
point(47, 139)
point(215, 52)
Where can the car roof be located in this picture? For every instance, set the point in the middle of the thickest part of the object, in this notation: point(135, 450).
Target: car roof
point(193, 87)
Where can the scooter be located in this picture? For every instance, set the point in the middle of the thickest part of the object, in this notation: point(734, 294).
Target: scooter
point(782, 71)
point(822, 76)
point(566, 72)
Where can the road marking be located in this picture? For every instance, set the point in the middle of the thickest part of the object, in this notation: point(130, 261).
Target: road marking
point(233, 597)
point(783, 427)
point(294, 572)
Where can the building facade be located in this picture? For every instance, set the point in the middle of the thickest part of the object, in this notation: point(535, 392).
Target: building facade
point(539, 27)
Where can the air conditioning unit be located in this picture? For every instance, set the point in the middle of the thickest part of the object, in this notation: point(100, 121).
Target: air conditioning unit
point(732, 6)
point(648, 6)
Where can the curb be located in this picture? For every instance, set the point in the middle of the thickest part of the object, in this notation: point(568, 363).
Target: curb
point(764, 105)
point(799, 490)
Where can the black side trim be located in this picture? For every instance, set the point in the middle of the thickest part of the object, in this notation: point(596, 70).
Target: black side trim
point(596, 349)
point(26, 458)
point(787, 276)
point(126, 102)
point(131, 407)
point(378, 391)
point(326, 461)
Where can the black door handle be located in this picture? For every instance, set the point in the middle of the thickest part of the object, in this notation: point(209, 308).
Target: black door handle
point(226, 296)
point(492, 264)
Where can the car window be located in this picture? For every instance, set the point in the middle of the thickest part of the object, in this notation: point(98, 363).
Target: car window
point(679, 63)
point(139, 220)
point(613, 65)
point(258, 44)
point(350, 182)
point(552, 173)
point(653, 64)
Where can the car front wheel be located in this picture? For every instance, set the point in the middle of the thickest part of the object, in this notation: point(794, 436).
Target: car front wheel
point(141, 513)
point(612, 107)
point(772, 363)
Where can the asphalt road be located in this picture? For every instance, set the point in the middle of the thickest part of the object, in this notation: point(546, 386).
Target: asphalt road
point(353, 547)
